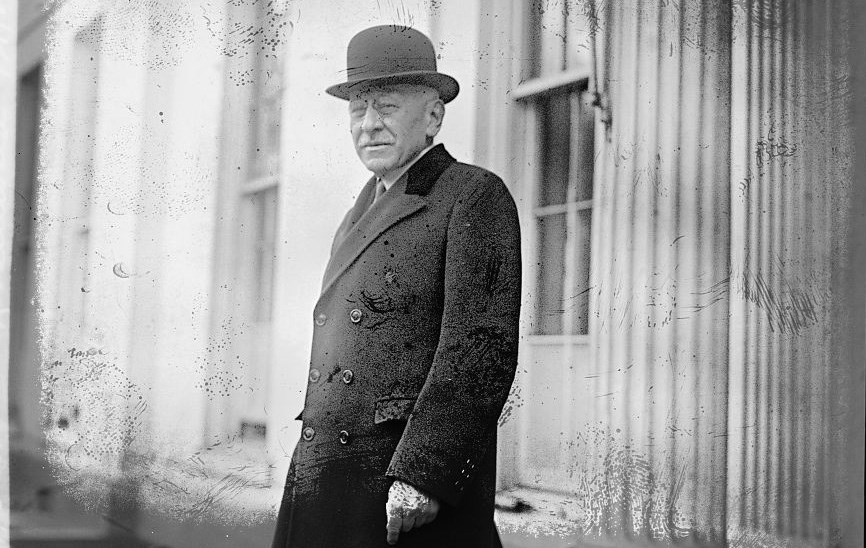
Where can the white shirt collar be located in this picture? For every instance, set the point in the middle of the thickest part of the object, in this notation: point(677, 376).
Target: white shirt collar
point(391, 180)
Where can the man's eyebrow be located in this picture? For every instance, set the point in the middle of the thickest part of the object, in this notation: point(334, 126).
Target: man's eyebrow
point(387, 92)
point(378, 100)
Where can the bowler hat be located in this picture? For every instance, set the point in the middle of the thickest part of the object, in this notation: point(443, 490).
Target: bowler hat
point(392, 54)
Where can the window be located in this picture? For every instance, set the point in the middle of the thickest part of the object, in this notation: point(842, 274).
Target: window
point(556, 112)
point(257, 216)
point(255, 267)
point(556, 346)
point(563, 212)
point(266, 107)
point(24, 408)
point(249, 214)
point(79, 166)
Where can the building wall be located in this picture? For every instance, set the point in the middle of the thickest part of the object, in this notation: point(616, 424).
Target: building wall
point(726, 225)
point(704, 409)
point(151, 113)
point(125, 241)
point(698, 400)
point(8, 80)
point(792, 153)
point(24, 361)
point(661, 271)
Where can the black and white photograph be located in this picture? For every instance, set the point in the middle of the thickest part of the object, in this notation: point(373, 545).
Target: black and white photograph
point(432, 273)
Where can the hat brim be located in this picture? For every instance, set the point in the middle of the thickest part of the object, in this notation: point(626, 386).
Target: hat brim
point(447, 86)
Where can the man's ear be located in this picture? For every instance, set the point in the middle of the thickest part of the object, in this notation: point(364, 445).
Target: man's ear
point(436, 113)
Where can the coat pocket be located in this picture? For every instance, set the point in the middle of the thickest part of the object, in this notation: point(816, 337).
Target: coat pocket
point(393, 408)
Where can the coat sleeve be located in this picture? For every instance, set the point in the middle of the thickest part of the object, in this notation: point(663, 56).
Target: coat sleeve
point(457, 410)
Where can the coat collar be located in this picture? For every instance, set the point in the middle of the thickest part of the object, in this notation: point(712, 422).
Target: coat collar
point(427, 170)
point(404, 198)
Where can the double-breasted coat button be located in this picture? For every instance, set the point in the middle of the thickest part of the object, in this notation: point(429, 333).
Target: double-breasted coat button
point(321, 319)
point(344, 437)
point(355, 315)
point(309, 433)
point(348, 376)
point(314, 375)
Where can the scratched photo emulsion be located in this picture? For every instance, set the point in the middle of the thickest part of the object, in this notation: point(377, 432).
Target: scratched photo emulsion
point(435, 273)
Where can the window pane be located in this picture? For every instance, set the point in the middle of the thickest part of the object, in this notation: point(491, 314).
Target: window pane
point(259, 224)
point(267, 84)
point(267, 115)
point(582, 23)
point(567, 154)
point(542, 463)
point(552, 231)
point(256, 263)
point(546, 38)
point(583, 155)
point(555, 127)
point(577, 303)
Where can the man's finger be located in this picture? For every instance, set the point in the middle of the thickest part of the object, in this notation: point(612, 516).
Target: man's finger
point(423, 519)
point(431, 514)
point(395, 520)
point(408, 523)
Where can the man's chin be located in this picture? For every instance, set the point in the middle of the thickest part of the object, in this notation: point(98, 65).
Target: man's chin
point(377, 165)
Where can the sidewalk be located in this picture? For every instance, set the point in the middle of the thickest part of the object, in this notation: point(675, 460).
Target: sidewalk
point(43, 516)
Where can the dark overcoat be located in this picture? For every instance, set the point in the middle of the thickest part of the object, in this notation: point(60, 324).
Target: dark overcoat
point(414, 352)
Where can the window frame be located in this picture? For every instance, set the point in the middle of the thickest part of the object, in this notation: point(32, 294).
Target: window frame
point(527, 95)
point(247, 169)
point(515, 473)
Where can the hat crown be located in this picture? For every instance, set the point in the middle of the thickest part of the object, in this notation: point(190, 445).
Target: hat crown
point(392, 54)
point(388, 49)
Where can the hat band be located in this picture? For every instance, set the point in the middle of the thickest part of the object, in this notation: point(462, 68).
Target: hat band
point(378, 69)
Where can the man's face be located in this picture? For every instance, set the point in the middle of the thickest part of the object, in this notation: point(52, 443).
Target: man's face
point(391, 125)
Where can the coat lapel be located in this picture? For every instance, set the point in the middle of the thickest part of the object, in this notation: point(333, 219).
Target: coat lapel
point(404, 198)
point(388, 210)
point(361, 205)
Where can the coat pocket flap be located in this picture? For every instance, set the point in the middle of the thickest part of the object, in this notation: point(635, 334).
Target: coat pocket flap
point(393, 409)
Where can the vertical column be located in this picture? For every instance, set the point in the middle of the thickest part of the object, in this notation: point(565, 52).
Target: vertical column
point(802, 350)
point(712, 302)
point(791, 157)
point(841, 317)
point(786, 101)
point(738, 342)
point(660, 313)
point(8, 80)
point(852, 299)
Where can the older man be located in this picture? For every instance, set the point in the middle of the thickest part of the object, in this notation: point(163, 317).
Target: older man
point(415, 339)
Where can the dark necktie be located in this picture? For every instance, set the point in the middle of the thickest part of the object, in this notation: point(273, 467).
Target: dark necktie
point(380, 189)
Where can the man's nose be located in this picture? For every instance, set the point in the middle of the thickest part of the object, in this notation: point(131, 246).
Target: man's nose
point(372, 120)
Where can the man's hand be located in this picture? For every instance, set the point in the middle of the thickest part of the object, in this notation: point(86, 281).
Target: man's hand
point(407, 507)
